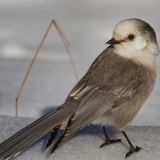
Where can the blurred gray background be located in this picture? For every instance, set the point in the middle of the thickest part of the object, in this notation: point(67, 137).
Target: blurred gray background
point(87, 24)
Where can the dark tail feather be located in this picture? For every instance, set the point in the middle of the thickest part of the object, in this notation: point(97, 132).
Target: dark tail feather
point(27, 136)
point(60, 140)
point(52, 137)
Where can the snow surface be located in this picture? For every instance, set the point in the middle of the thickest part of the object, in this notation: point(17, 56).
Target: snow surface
point(85, 145)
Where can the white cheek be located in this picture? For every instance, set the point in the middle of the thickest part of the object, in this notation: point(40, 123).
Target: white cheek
point(139, 44)
point(132, 46)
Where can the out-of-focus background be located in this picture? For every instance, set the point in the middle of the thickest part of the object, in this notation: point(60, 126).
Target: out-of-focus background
point(88, 25)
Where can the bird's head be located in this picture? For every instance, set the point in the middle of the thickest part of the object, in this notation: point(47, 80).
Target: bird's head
point(132, 36)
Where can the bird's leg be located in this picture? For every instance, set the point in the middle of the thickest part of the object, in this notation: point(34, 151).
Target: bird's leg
point(108, 141)
point(132, 149)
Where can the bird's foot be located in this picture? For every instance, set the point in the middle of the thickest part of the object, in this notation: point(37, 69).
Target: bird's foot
point(133, 150)
point(110, 141)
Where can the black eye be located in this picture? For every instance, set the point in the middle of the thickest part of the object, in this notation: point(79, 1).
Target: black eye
point(131, 37)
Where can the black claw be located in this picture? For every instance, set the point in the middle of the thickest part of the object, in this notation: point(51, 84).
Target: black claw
point(133, 150)
point(103, 144)
point(110, 141)
point(116, 141)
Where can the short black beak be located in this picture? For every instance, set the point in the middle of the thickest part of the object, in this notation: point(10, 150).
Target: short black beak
point(113, 41)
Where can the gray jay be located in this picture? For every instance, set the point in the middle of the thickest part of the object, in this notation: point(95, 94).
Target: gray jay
point(112, 92)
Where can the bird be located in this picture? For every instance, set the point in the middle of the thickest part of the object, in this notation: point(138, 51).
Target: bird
point(111, 92)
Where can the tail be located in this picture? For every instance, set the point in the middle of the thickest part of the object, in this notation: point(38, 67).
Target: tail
point(14, 145)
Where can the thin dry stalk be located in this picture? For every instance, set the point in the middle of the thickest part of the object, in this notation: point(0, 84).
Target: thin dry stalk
point(66, 46)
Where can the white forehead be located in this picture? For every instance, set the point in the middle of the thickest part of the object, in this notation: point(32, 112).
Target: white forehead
point(126, 27)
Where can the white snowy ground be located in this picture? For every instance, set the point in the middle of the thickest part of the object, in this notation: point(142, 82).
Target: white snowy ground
point(85, 145)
